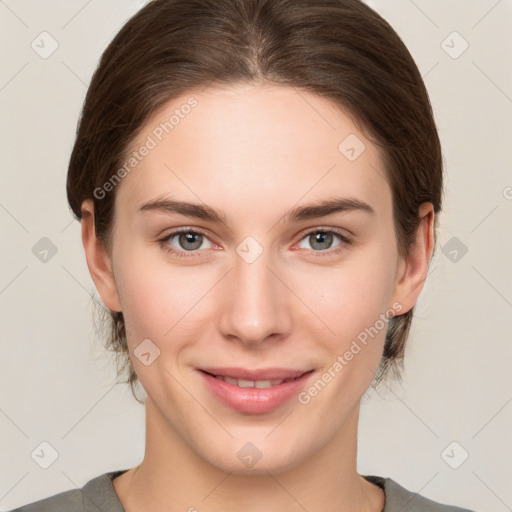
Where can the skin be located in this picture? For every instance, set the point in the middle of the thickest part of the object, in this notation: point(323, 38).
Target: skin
point(254, 151)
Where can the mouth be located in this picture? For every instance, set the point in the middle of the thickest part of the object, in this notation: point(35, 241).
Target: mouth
point(264, 378)
point(243, 383)
point(254, 391)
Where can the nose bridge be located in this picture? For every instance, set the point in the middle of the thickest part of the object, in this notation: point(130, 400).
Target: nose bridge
point(254, 306)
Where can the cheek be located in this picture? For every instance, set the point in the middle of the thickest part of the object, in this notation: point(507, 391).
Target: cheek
point(350, 297)
point(161, 302)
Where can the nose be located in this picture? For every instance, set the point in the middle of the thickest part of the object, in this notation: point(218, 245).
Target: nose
point(254, 302)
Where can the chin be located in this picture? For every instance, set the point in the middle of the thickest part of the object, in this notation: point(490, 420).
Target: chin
point(271, 465)
point(248, 459)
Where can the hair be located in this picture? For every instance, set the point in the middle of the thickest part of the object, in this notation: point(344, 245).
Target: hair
point(341, 50)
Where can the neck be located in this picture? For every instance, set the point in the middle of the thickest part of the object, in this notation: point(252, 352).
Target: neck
point(173, 475)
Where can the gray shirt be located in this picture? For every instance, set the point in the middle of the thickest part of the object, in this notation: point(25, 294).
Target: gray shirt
point(98, 495)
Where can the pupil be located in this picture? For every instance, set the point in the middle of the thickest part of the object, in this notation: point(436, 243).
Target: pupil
point(189, 238)
point(321, 238)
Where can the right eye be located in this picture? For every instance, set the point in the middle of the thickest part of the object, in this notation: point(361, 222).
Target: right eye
point(188, 240)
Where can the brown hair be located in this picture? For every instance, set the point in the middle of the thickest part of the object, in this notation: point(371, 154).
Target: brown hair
point(341, 50)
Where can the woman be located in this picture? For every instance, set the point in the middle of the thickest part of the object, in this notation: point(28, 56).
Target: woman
point(258, 184)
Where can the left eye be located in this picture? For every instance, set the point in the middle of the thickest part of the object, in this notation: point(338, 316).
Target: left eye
point(321, 240)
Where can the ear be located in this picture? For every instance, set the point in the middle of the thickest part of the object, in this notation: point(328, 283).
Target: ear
point(413, 270)
point(98, 260)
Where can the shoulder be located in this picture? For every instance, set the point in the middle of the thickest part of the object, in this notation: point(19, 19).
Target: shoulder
point(399, 498)
point(97, 495)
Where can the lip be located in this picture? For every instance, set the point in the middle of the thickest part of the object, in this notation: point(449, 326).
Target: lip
point(263, 374)
point(255, 400)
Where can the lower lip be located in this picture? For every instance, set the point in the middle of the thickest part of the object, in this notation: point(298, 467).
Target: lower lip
point(254, 400)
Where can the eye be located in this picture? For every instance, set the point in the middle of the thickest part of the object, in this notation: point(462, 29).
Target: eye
point(185, 241)
point(321, 240)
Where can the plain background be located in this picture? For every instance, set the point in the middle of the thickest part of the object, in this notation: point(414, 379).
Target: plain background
point(57, 384)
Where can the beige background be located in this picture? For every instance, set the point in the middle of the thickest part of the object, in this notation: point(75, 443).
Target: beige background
point(57, 385)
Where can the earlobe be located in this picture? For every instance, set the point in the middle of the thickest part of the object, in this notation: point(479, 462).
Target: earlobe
point(414, 269)
point(98, 259)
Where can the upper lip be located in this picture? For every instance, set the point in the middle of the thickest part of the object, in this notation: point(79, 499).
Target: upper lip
point(254, 375)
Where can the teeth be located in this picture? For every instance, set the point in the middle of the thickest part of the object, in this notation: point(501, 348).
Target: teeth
point(252, 383)
point(267, 383)
point(245, 383)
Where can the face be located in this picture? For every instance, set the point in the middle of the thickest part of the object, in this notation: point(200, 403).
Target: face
point(259, 280)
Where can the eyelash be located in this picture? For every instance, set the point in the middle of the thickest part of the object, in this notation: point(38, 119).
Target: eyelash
point(345, 239)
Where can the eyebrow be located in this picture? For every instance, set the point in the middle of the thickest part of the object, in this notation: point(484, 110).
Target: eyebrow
point(300, 213)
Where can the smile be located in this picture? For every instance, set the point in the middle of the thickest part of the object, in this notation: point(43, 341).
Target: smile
point(257, 395)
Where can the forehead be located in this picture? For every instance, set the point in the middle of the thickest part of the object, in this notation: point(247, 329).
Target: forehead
point(253, 146)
